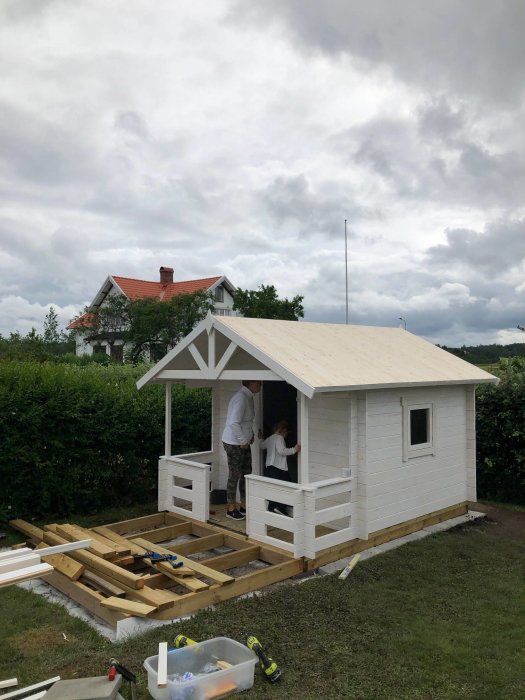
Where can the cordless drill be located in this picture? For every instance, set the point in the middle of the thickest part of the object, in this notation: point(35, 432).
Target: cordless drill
point(182, 641)
point(271, 671)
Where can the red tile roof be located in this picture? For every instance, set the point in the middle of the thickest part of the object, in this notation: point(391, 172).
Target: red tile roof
point(84, 321)
point(141, 289)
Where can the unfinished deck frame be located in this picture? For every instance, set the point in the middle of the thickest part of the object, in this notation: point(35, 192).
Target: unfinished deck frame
point(117, 586)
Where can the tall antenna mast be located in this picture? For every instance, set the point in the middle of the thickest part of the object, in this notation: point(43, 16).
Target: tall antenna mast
point(346, 273)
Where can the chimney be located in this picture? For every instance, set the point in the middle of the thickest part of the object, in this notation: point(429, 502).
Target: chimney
point(166, 275)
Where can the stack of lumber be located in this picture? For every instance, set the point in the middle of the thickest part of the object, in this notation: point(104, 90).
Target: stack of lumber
point(21, 564)
point(114, 577)
point(108, 579)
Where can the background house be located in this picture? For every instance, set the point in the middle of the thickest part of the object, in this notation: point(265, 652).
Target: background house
point(386, 421)
point(133, 289)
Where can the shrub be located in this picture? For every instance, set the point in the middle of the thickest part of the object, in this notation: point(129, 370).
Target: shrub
point(500, 419)
point(76, 439)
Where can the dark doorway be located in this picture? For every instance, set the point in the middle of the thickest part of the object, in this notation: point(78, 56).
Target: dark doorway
point(280, 403)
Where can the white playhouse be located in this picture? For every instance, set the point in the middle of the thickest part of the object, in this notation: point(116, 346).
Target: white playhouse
point(385, 419)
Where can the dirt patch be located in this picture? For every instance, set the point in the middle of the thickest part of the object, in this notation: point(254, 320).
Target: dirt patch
point(503, 523)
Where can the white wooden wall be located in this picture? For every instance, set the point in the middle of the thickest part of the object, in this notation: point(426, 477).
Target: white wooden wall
point(398, 490)
point(329, 436)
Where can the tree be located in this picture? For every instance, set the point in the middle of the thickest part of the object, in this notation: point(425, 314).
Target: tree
point(51, 334)
point(264, 303)
point(146, 324)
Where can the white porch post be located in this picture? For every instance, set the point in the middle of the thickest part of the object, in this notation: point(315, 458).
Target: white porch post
point(303, 463)
point(167, 422)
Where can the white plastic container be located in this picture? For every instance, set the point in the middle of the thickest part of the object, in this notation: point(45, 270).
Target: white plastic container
point(195, 659)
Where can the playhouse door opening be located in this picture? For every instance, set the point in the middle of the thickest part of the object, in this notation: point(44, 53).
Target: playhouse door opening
point(280, 403)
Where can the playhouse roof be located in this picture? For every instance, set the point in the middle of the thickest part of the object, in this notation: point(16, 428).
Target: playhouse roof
point(313, 357)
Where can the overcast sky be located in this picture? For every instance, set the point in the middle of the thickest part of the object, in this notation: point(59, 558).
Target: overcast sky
point(235, 137)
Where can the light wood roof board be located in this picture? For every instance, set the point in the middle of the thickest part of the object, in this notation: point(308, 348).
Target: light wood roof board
point(316, 357)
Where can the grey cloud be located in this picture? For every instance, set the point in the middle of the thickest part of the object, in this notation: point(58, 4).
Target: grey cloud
point(499, 248)
point(467, 46)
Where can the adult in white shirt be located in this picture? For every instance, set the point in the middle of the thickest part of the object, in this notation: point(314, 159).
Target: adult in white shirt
point(237, 439)
point(277, 460)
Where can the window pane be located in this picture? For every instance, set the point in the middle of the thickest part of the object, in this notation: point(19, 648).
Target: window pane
point(419, 426)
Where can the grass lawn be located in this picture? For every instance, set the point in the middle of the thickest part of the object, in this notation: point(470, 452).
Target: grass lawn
point(443, 617)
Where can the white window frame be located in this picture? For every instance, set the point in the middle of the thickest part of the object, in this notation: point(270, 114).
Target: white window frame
point(421, 449)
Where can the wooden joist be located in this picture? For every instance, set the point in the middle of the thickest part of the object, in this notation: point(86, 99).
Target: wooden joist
point(71, 533)
point(128, 606)
point(215, 576)
point(62, 563)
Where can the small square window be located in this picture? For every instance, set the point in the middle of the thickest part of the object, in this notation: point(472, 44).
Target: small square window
point(418, 430)
point(419, 426)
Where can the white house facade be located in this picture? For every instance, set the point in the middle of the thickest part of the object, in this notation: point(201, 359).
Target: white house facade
point(165, 289)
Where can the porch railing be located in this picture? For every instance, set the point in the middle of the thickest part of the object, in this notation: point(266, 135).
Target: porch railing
point(184, 484)
point(299, 534)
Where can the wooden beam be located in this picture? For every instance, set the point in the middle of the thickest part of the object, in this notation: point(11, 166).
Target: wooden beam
point(75, 534)
point(25, 574)
point(244, 584)
point(129, 607)
point(34, 533)
point(169, 532)
point(100, 584)
point(134, 525)
point(198, 568)
point(231, 559)
point(100, 566)
point(62, 563)
point(199, 544)
point(162, 665)
point(84, 596)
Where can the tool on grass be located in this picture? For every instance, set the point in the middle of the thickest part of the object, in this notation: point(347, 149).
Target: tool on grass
point(182, 641)
point(155, 558)
point(271, 671)
point(115, 667)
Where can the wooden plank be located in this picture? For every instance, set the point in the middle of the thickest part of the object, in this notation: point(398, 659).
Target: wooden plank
point(145, 522)
point(393, 532)
point(43, 685)
point(160, 599)
point(199, 544)
point(183, 579)
point(22, 562)
point(129, 607)
point(62, 563)
point(67, 547)
point(231, 559)
point(34, 533)
point(162, 665)
point(73, 533)
point(90, 579)
point(30, 572)
point(8, 683)
point(244, 584)
point(120, 550)
point(12, 554)
point(100, 566)
point(198, 568)
point(168, 532)
point(84, 596)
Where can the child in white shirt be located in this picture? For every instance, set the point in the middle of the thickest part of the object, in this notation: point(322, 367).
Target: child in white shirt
point(276, 460)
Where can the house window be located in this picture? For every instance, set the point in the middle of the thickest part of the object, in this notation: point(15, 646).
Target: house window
point(99, 350)
point(418, 430)
point(117, 353)
point(219, 293)
point(222, 312)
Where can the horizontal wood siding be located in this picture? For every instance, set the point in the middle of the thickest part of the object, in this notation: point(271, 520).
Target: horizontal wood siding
point(329, 444)
point(398, 490)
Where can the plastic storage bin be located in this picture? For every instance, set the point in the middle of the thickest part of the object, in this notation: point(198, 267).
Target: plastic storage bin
point(197, 659)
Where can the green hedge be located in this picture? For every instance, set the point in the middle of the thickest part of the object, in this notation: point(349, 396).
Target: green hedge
point(500, 416)
point(76, 439)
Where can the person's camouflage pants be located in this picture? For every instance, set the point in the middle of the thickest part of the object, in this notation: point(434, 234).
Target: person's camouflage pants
point(239, 464)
